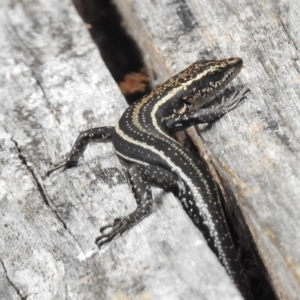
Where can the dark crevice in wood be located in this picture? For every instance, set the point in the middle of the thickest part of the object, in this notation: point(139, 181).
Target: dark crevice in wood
point(11, 282)
point(246, 248)
point(119, 51)
point(42, 192)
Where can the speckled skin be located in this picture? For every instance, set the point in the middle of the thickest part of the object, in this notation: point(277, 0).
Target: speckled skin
point(142, 140)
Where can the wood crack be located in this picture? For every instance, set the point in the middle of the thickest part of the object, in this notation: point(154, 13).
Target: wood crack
point(42, 192)
point(12, 283)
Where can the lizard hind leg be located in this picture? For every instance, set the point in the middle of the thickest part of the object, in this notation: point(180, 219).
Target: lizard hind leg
point(142, 193)
point(140, 178)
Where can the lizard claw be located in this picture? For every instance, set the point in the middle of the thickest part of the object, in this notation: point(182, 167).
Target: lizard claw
point(64, 165)
point(234, 100)
point(103, 228)
point(119, 226)
point(54, 169)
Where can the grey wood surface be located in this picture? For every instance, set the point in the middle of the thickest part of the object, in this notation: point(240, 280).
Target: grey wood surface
point(255, 148)
point(54, 85)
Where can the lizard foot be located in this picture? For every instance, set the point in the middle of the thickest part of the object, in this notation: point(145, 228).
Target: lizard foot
point(119, 226)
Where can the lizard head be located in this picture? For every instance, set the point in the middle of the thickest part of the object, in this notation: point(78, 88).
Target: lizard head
point(204, 78)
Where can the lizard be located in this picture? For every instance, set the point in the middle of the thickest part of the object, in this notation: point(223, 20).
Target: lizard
point(142, 139)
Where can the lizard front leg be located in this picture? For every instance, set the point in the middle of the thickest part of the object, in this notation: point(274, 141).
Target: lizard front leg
point(199, 116)
point(96, 135)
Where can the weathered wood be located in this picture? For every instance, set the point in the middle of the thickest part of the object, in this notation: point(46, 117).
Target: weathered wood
point(54, 85)
point(256, 147)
